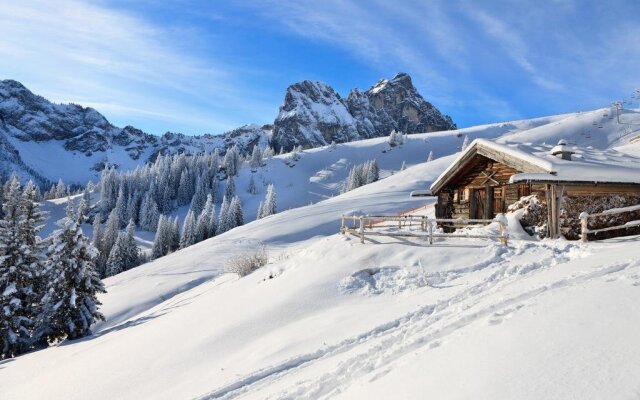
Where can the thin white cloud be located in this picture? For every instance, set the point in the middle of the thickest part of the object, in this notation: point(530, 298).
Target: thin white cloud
point(512, 44)
point(75, 50)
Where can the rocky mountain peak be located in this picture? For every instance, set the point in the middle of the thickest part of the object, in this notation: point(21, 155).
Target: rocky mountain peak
point(314, 114)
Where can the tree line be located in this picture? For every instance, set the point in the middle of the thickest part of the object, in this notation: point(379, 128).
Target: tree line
point(48, 287)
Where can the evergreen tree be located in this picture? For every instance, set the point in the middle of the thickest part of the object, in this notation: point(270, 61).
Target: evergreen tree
point(174, 235)
point(260, 212)
point(188, 236)
point(223, 220)
point(230, 190)
point(236, 217)
point(465, 143)
point(204, 230)
point(108, 241)
point(121, 205)
point(125, 253)
point(117, 257)
point(372, 172)
point(83, 209)
point(252, 186)
point(199, 198)
point(430, 158)
point(70, 305)
point(31, 225)
point(256, 158)
point(97, 232)
point(268, 153)
point(162, 239)
point(269, 204)
point(61, 189)
point(17, 275)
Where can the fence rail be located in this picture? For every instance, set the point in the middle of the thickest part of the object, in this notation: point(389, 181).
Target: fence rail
point(584, 221)
point(419, 226)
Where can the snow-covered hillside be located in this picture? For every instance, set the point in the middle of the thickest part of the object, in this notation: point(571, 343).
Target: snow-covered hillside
point(330, 317)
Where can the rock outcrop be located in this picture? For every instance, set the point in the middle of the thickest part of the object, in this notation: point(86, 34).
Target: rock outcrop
point(313, 114)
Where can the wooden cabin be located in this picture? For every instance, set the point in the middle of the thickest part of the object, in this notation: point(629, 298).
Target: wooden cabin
point(488, 177)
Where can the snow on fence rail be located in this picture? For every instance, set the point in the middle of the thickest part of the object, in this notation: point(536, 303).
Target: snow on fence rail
point(584, 221)
point(419, 226)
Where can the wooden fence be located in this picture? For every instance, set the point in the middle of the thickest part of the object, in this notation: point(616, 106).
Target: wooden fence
point(418, 226)
point(584, 221)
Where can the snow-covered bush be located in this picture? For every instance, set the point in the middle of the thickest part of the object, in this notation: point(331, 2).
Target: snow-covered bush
point(246, 263)
point(534, 216)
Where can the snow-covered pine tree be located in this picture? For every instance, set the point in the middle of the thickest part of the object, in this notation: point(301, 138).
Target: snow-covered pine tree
point(268, 153)
point(61, 189)
point(174, 235)
point(17, 275)
point(223, 218)
point(83, 209)
point(30, 226)
point(188, 236)
point(149, 214)
point(393, 138)
point(230, 190)
point(256, 158)
point(162, 239)
point(236, 216)
point(117, 257)
point(269, 205)
point(199, 197)
point(430, 157)
point(108, 241)
point(372, 172)
point(70, 305)
point(185, 189)
point(204, 230)
point(97, 232)
point(251, 188)
point(465, 143)
point(260, 212)
point(125, 253)
point(231, 161)
point(121, 206)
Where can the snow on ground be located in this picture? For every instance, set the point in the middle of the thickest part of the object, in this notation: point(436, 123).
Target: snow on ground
point(329, 317)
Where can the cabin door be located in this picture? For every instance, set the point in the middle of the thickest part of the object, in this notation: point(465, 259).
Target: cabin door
point(479, 204)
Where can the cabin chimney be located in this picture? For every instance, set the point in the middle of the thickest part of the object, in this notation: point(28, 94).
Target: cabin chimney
point(561, 151)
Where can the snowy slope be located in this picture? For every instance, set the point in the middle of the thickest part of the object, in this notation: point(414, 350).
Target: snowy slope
point(393, 319)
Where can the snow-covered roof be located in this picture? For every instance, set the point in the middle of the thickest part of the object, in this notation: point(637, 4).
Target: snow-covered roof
point(536, 163)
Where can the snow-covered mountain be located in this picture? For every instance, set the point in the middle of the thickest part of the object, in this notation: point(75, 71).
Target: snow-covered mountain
point(313, 114)
point(45, 141)
point(329, 317)
point(34, 131)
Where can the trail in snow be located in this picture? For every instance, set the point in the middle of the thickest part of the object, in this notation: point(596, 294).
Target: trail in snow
point(401, 336)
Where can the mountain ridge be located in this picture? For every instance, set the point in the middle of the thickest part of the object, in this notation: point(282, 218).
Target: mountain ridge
point(34, 130)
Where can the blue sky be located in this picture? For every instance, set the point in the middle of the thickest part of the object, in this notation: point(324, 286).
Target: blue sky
point(209, 66)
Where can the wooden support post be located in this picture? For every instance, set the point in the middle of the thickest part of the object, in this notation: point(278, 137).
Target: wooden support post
point(584, 217)
point(361, 230)
point(430, 231)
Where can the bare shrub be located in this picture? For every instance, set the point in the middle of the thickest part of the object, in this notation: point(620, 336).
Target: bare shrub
point(245, 263)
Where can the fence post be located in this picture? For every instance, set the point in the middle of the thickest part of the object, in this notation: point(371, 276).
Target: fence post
point(584, 216)
point(342, 230)
point(361, 230)
point(430, 231)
